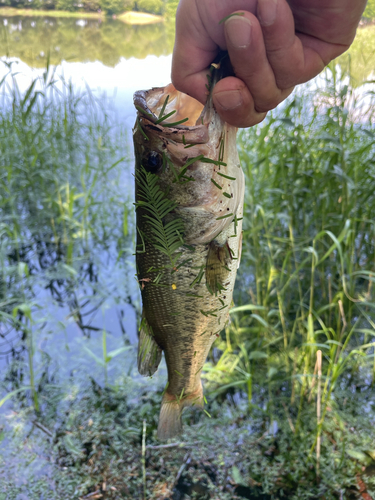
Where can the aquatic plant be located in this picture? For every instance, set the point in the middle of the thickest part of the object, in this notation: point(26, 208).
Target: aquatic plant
point(304, 326)
point(59, 187)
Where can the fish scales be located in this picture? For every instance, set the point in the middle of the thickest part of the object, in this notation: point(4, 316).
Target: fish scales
point(188, 239)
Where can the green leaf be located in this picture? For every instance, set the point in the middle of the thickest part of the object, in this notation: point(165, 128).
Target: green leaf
point(100, 362)
point(257, 355)
point(248, 307)
point(166, 237)
point(116, 352)
point(237, 477)
point(24, 308)
point(360, 456)
point(10, 394)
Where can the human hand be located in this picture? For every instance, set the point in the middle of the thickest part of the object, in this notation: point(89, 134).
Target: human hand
point(273, 46)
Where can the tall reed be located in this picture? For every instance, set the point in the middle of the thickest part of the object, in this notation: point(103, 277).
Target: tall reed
point(308, 265)
point(61, 154)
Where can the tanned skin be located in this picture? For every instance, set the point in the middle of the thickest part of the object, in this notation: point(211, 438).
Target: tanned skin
point(273, 45)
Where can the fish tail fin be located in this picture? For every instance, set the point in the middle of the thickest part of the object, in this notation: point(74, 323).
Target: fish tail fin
point(149, 353)
point(170, 423)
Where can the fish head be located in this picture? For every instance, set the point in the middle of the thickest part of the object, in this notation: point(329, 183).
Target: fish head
point(194, 154)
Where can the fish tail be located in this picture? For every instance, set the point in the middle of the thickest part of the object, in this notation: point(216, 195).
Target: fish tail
point(170, 423)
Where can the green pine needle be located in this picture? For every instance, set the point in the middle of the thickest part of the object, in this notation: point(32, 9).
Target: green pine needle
point(166, 237)
point(231, 15)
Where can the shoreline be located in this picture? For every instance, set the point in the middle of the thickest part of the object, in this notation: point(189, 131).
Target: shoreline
point(130, 17)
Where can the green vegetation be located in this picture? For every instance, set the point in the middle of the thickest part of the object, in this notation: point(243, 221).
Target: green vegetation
point(285, 422)
point(110, 7)
point(97, 447)
point(359, 61)
point(369, 12)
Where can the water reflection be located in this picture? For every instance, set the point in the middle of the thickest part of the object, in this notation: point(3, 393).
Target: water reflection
point(65, 235)
point(32, 39)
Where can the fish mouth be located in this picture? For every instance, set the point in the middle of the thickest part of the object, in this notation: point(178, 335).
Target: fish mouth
point(173, 114)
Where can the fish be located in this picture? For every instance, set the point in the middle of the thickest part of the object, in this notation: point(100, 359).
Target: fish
point(189, 194)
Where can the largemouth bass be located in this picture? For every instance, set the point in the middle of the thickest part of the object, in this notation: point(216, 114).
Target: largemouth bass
point(189, 202)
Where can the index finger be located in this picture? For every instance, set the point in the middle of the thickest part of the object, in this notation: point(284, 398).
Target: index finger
point(193, 53)
point(199, 37)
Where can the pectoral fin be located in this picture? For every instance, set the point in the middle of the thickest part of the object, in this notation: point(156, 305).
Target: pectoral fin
point(149, 353)
point(218, 266)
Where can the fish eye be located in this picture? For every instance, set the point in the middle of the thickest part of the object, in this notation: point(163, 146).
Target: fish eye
point(152, 162)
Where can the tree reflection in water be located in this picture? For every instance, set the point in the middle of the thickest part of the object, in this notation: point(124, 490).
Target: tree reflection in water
point(33, 38)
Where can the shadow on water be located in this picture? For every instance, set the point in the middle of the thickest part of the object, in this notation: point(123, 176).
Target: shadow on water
point(84, 40)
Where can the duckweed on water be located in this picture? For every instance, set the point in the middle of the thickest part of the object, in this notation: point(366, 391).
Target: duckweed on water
point(306, 285)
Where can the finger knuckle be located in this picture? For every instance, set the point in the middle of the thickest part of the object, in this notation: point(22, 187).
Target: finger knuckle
point(253, 119)
point(265, 105)
point(178, 81)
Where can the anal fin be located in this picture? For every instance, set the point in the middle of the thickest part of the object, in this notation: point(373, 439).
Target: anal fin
point(149, 353)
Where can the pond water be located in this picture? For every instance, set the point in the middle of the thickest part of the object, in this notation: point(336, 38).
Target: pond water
point(85, 306)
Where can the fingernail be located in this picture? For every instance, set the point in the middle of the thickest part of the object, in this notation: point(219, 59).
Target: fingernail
point(267, 12)
point(228, 100)
point(238, 30)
